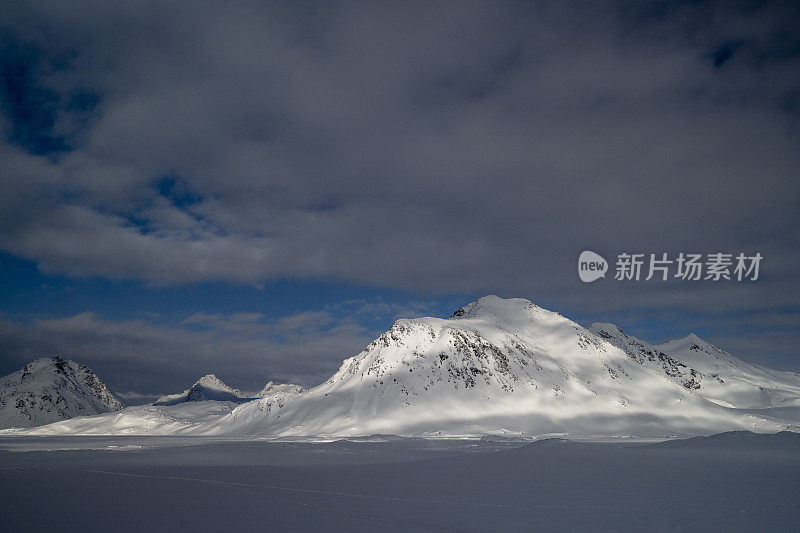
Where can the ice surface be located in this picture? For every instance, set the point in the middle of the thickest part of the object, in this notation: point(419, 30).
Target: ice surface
point(733, 482)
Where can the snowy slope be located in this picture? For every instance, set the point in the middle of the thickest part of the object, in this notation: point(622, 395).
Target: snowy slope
point(208, 387)
point(497, 366)
point(52, 389)
point(177, 419)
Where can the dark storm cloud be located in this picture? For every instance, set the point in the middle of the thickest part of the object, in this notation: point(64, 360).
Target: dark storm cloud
point(446, 147)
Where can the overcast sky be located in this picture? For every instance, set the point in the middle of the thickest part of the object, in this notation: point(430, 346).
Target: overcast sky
point(258, 189)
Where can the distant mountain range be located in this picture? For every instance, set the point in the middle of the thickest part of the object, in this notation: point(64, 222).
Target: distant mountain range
point(210, 387)
point(496, 366)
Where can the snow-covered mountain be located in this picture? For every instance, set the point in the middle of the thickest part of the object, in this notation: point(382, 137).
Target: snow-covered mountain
point(710, 371)
point(496, 366)
point(50, 389)
point(208, 387)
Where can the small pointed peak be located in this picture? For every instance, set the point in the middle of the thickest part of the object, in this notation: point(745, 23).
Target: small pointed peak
point(692, 338)
point(208, 379)
point(208, 387)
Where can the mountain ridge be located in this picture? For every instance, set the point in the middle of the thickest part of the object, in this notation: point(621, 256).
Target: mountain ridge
point(709, 370)
point(495, 367)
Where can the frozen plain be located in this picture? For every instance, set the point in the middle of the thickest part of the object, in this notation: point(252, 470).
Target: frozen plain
point(729, 482)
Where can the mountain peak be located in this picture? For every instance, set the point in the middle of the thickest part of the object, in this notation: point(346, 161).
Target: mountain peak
point(690, 340)
point(49, 389)
point(208, 387)
point(492, 305)
point(210, 380)
point(58, 364)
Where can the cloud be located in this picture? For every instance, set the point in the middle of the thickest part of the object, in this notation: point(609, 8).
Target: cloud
point(149, 356)
point(439, 148)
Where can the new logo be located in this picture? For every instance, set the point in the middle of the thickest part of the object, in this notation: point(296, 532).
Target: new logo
point(591, 266)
